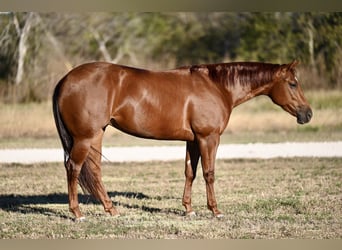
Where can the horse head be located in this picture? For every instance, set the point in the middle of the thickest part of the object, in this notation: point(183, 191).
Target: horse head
point(287, 93)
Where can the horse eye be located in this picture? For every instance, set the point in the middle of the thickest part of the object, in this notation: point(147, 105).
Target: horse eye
point(293, 84)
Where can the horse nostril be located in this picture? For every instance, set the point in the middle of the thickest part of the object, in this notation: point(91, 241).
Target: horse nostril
point(309, 115)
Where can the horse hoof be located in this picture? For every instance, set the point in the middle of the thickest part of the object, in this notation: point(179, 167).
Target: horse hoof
point(219, 216)
point(191, 214)
point(80, 219)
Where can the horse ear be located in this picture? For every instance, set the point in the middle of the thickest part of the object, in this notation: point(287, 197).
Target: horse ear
point(293, 64)
point(284, 68)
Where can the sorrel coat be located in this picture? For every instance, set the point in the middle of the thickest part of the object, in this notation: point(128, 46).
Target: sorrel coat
point(191, 104)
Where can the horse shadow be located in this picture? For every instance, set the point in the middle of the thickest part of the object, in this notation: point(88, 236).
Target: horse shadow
point(23, 203)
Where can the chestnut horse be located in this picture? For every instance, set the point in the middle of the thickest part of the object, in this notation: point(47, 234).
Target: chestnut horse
point(191, 104)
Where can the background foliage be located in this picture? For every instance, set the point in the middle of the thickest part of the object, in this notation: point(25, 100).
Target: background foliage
point(37, 49)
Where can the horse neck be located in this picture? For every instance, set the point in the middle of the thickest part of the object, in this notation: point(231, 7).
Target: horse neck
point(242, 93)
point(247, 80)
point(242, 80)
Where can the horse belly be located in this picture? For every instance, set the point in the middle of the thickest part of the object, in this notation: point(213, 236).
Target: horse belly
point(153, 123)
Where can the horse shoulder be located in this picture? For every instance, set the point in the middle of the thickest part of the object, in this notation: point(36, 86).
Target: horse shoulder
point(210, 109)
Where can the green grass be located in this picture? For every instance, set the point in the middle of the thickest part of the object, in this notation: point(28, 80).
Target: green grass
point(271, 199)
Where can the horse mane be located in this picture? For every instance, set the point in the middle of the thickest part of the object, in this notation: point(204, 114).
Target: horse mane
point(254, 74)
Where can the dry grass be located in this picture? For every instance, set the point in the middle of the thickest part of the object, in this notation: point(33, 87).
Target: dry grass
point(279, 198)
point(27, 120)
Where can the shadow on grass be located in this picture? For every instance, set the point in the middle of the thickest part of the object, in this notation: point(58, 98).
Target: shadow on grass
point(22, 203)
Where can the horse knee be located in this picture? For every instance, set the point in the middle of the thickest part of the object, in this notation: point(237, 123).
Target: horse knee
point(209, 176)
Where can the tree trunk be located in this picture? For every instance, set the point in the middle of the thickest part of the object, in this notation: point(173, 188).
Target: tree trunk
point(22, 47)
point(310, 30)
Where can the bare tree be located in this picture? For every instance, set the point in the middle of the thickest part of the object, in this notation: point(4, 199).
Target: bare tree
point(56, 45)
point(23, 34)
point(102, 41)
point(116, 35)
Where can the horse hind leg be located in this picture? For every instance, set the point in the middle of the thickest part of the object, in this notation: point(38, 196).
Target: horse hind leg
point(78, 155)
point(91, 178)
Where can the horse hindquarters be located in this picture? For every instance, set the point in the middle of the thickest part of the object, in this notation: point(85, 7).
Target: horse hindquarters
point(80, 125)
point(73, 164)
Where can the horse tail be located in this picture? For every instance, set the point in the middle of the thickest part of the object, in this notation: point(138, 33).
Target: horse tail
point(87, 178)
point(64, 135)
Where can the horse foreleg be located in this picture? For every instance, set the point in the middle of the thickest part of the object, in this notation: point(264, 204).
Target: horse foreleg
point(73, 166)
point(100, 192)
point(191, 162)
point(208, 148)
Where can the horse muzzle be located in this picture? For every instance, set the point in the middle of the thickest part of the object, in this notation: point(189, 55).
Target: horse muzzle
point(304, 115)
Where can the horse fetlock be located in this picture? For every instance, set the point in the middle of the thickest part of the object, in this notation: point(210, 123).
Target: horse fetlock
point(217, 213)
point(76, 211)
point(213, 208)
point(113, 212)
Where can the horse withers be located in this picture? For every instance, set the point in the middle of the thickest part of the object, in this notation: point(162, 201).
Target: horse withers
point(191, 104)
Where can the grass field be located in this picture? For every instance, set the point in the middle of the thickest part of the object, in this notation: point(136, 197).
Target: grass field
point(278, 198)
point(259, 120)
